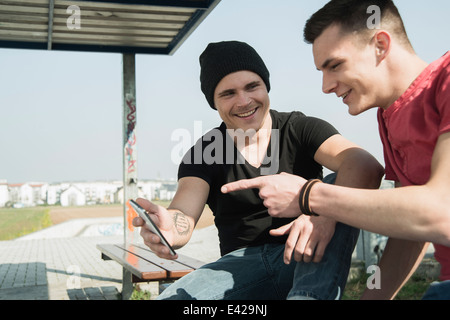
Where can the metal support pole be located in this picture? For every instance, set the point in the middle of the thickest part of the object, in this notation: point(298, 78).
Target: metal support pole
point(367, 242)
point(130, 189)
point(51, 11)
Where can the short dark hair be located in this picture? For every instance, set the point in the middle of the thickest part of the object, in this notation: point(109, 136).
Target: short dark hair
point(351, 16)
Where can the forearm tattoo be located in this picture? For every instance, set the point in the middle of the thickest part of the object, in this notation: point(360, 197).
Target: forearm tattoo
point(182, 224)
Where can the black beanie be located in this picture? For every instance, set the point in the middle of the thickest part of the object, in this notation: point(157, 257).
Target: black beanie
point(222, 58)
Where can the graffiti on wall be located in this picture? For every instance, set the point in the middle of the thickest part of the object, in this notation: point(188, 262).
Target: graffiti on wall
point(130, 152)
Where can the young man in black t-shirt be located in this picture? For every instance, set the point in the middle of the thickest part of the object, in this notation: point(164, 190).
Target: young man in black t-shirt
point(262, 257)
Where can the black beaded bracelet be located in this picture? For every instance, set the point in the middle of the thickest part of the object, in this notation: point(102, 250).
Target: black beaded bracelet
point(304, 197)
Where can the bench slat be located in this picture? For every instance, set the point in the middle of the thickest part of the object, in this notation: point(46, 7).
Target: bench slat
point(138, 266)
point(187, 261)
point(173, 267)
point(190, 262)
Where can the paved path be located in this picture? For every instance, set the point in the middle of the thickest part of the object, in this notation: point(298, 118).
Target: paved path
point(46, 266)
point(58, 269)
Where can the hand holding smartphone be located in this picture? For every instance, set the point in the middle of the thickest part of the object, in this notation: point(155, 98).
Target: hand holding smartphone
point(152, 226)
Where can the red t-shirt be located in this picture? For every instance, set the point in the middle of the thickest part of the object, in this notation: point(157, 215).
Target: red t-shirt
point(409, 130)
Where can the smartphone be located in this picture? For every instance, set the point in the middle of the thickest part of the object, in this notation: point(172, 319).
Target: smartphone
point(152, 226)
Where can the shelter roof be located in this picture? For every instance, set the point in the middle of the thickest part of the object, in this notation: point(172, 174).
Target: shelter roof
point(134, 26)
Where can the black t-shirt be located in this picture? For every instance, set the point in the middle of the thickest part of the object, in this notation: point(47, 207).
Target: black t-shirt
point(241, 218)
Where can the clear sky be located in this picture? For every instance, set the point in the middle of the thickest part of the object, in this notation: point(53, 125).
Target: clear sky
point(61, 112)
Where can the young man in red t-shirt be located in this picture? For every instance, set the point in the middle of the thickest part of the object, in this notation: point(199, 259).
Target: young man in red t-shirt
point(378, 68)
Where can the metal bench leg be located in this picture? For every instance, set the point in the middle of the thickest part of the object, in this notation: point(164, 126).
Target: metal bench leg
point(127, 284)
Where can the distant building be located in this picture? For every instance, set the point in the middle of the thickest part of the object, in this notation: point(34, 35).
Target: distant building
point(118, 195)
point(27, 194)
point(39, 193)
point(4, 193)
point(72, 196)
point(149, 188)
point(79, 193)
point(99, 192)
point(54, 193)
point(167, 191)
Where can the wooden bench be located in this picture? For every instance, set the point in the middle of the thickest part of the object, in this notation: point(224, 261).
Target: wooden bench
point(144, 266)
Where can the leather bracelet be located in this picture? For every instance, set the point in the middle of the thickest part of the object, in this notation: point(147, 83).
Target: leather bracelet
point(304, 197)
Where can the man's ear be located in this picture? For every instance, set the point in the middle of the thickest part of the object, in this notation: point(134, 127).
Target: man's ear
point(382, 42)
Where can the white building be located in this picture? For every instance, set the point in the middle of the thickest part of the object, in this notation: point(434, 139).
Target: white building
point(152, 190)
point(4, 193)
point(149, 188)
point(72, 196)
point(39, 193)
point(118, 196)
point(80, 193)
point(27, 194)
point(99, 192)
point(54, 192)
point(167, 191)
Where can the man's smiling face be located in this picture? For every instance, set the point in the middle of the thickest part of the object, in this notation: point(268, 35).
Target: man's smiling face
point(242, 100)
point(349, 68)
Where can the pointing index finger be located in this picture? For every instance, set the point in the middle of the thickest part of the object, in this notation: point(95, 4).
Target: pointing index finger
point(243, 185)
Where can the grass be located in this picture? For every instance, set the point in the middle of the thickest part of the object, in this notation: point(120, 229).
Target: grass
point(140, 295)
point(15, 223)
point(412, 290)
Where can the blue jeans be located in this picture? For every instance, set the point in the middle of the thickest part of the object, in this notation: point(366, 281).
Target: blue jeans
point(259, 273)
point(438, 291)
